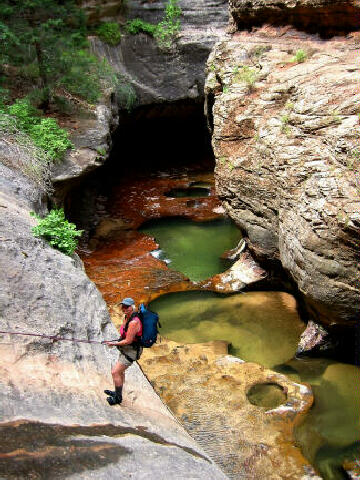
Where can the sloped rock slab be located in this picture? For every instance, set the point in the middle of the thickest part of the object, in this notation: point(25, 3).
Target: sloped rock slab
point(56, 422)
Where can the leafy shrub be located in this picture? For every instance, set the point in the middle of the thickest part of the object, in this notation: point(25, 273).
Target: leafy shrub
point(165, 31)
point(44, 132)
point(30, 71)
point(109, 32)
point(99, 74)
point(26, 115)
point(4, 97)
point(137, 25)
point(169, 27)
point(59, 232)
point(285, 124)
point(300, 56)
point(50, 137)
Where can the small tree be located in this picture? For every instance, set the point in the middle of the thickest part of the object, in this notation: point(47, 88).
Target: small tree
point(46, 39)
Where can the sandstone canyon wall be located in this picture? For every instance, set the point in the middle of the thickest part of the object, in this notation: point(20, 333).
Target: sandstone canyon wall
point(283, 105)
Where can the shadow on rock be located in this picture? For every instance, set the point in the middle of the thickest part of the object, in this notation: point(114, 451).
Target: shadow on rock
point(42, 451)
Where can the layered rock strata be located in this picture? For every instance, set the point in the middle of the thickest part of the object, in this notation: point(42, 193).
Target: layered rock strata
point(167, 76)
point(91, 136)
point(55, 418)
point(327, 17)
point(284, 110)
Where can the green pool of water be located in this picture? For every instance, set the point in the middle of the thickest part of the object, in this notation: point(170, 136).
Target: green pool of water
point(194, 248)
point(261, 326)
point(330, 432)
point(264, 327)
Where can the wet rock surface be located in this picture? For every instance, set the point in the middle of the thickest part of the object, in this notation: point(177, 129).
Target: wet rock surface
point(316, 340)
point(123, 262)
point(285, 136)
point(55, 418)
point(208, 391)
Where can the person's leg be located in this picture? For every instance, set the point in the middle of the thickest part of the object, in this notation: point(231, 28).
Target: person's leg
point(118, 374)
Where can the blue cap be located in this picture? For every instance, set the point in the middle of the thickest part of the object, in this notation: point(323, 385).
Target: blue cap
point(128, 302)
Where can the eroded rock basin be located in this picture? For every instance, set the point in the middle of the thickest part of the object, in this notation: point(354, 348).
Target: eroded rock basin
point(122, 263)
point(264, 327)
point(207, 390)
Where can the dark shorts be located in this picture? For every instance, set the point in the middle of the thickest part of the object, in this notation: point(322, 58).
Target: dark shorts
point(129, 354)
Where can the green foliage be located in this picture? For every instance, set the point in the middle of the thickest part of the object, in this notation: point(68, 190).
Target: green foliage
point(20, 153)
point(44, 132)
point(139, 26)
point(168, 29)
point(245, 74)
point(109, 32)
point(300, 56)
point(225, 89)
point(335, 118)
point(285, 124)
point(59, 232)
point(71, 74)
point(46, 40)
point(101, 151)
point(126, 95)
point(50, 137)
point(165, 32)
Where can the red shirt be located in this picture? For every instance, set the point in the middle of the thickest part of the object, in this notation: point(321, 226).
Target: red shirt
point(122, 328)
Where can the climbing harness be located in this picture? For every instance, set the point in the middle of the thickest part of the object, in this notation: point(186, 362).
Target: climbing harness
point(56, 338)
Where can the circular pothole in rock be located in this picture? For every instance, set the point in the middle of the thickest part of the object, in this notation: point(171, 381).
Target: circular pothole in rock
point(188, 192)
point(268, 395)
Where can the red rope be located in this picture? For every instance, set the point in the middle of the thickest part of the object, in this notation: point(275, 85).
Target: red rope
point(55, 338)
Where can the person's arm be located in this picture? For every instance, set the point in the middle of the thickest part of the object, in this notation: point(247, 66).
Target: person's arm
point(130, 335)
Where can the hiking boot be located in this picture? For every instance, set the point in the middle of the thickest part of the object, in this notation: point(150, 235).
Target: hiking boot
point(110, 392)
point(114, 400)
